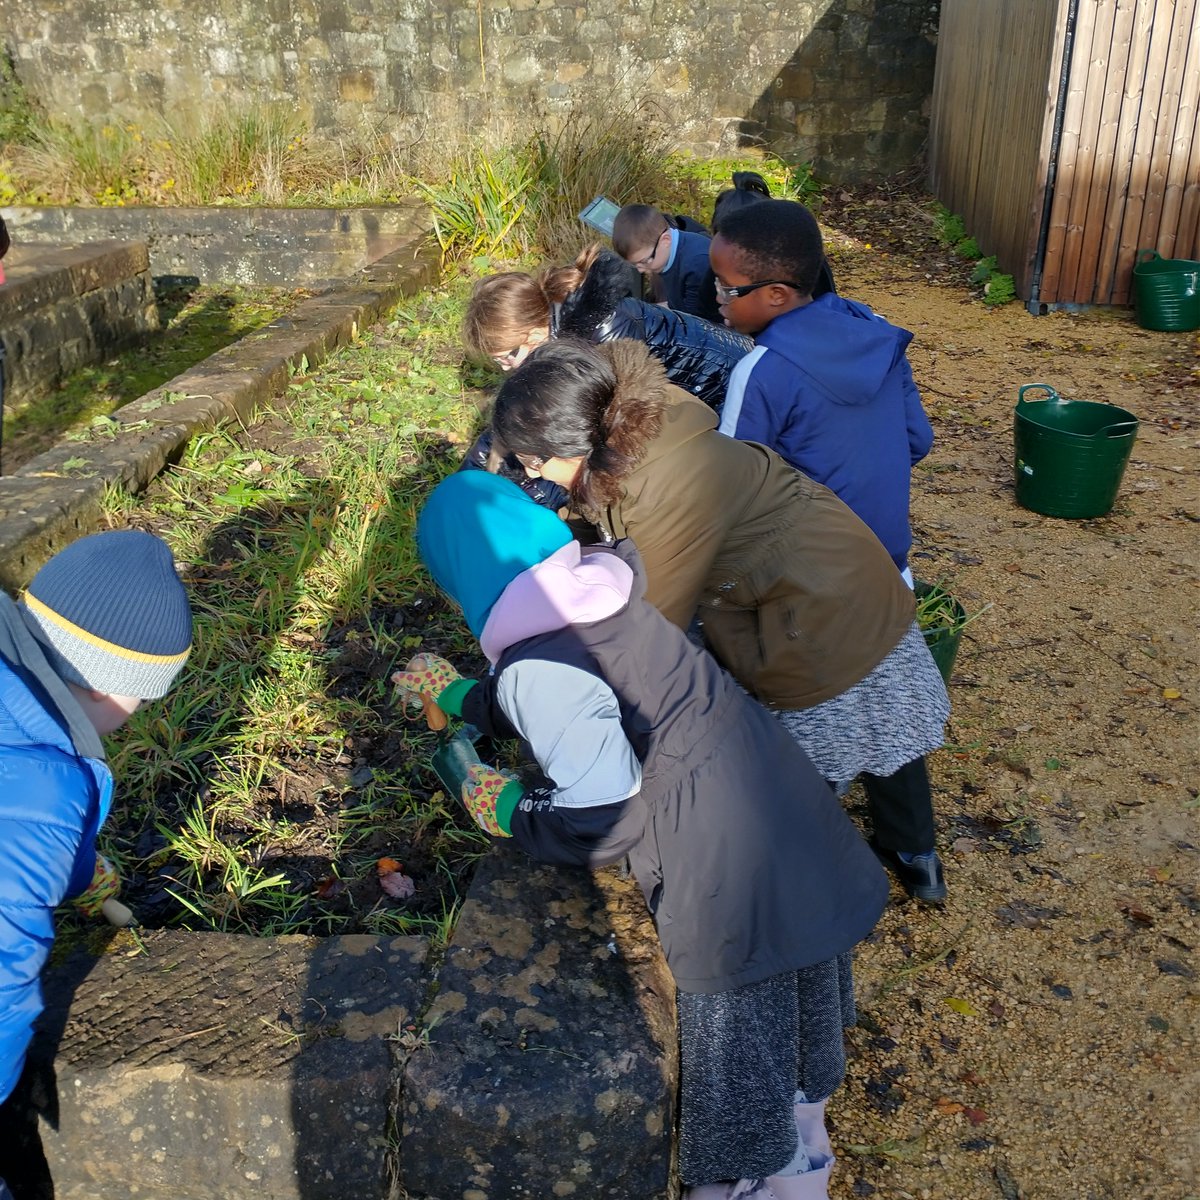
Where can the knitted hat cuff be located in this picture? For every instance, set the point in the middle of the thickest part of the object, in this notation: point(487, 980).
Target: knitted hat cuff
point(84, 659)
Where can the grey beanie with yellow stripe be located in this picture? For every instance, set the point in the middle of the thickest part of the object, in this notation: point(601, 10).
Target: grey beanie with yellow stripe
point(112, 614)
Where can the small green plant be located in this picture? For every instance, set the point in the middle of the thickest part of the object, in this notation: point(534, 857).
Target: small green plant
point(968, 248)
point(17, 115)
point(984, 269)
point(948, 226)
point(937, 609)
point(1000, 289)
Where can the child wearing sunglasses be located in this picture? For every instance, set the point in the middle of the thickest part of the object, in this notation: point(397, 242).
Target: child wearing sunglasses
point(828, 387)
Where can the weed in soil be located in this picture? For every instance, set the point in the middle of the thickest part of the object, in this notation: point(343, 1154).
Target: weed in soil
point(259, 796)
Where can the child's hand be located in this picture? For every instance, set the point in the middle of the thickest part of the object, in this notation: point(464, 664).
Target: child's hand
point(100, 895)
point(490, 797)
point(425, 675)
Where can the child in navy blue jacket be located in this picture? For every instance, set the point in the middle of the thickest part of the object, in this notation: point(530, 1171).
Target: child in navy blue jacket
point(647, 748)
point(675, 260)
point(828, 386)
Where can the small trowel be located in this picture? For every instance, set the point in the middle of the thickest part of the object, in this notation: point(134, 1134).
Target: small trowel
point(455, 753)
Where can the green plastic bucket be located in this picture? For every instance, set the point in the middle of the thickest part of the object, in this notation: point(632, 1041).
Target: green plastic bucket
point(942, 640)
point(1070, 454)
point(1166, 292)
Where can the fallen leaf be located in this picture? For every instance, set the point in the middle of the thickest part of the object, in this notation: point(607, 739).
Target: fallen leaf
point(963, 845)
point(975, 1115)
point(948, 1107)
point(1160, 874)
point(996, 1009)
point(388, 866)
point(971, 1077)
point(329, 887)
point(1172, 694)
point(962, 1006)
point(398, 886)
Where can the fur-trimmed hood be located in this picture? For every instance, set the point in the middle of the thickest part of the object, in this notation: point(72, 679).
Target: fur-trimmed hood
point(610, 280)
point(636, 415)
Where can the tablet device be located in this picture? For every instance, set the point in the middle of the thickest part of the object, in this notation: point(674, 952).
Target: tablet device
point(600, 215)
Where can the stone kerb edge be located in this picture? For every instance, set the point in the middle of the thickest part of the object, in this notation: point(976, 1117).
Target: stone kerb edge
point(47, 503)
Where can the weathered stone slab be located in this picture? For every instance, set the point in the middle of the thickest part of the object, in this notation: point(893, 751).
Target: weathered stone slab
point(191, 1066)
point(54, 498)
point(237, 245)
point(551, 1064)
point(66, 306)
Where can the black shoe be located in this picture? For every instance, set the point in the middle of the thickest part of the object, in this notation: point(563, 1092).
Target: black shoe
point(922, 878)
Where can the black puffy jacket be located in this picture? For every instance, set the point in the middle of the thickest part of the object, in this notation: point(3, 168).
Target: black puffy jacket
point(697, 355)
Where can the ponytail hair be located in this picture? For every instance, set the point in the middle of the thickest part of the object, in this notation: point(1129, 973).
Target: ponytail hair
point(749, 187)
point(502, 311)
point(559, 282)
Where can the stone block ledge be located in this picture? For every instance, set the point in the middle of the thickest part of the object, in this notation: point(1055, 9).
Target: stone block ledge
point(54, 498)
point(537, 1060)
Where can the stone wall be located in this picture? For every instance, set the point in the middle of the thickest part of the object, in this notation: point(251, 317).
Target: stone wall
point(66, 306)
point(845, 83)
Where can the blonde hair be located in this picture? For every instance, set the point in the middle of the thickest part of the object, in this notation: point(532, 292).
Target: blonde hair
point(504, 309)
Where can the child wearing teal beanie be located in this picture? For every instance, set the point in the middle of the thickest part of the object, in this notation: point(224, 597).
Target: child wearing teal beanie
point(644, 747)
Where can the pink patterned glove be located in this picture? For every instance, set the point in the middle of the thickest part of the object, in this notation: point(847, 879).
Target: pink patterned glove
point(425, 674)
point(490, 796)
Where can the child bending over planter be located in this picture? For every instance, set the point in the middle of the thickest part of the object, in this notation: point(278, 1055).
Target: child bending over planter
point(646, 748)
point(104, 625)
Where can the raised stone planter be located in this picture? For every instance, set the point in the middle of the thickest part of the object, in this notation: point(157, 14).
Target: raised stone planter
point(56, 497)
point(66, 306)
point(552, 1059)
point(263, 246)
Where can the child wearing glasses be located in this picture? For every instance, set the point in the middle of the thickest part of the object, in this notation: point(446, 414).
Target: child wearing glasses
point(675, 260)
point(828, 387)
point(646, 748)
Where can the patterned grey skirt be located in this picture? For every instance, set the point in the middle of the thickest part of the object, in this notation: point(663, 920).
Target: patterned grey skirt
point(893, 716)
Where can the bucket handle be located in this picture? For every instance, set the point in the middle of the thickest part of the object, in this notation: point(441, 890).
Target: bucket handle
point(1119, 428)
point(1147, 256)
point(1051, 394)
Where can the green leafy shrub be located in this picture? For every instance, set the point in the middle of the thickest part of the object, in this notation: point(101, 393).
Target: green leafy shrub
point(999, 290)
point(968, 248)
point(948, 226)
point(17, 114)
point(984, 269)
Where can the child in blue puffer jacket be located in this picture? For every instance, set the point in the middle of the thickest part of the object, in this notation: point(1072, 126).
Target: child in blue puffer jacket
point(104, 625)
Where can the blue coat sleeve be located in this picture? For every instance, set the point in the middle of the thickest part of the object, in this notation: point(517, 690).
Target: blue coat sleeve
point(920, 432)
point(37, 860)
point(754, 411)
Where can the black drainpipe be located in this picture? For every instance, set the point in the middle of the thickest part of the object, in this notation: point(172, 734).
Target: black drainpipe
point(1064, 77)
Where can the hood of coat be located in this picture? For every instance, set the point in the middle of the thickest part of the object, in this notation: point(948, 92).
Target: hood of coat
point(649, 415)
point(813, 339)
point(573, 586)
point(31, 709)
point(610, 280)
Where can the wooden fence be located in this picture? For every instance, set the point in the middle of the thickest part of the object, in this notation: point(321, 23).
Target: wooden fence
point(1066, 171)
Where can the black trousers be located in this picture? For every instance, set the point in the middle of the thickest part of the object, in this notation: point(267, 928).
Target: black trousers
point(901, 808)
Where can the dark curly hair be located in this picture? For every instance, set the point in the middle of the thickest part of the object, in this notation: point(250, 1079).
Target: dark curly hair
point(777, 239)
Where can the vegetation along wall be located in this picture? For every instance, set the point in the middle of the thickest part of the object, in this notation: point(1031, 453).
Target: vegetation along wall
point(844, 83)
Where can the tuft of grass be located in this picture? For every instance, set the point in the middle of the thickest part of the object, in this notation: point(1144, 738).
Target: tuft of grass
point(259, 795)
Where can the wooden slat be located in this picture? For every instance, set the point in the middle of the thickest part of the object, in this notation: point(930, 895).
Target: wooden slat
point(1068, 149)
point(1123, 165)
point(1143, 145)
point(1105, 176)
point(1170, 240)
point(1074, 281)
point(1187, 245)
point(1164, 134)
